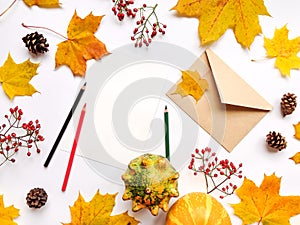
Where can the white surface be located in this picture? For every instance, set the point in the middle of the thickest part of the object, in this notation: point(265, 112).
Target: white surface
point(58, 88)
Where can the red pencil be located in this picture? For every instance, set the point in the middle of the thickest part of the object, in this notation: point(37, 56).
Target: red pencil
point(64, 186)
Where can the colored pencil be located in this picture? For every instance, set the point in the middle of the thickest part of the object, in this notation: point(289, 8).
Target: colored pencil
point(65, 125)
point(167, 145)
point(79, 126)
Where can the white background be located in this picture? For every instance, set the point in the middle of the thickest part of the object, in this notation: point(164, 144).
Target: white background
point(58, 89)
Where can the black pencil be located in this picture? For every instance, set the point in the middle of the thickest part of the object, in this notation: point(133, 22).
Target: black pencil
point(64, 127)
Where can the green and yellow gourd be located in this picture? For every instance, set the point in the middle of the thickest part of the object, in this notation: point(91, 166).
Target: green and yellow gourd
point(150, 181)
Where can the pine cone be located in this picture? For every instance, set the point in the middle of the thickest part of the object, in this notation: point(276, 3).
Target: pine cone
point(36, 198)
point(36, 43)
point(288, 104)
point(276, 141)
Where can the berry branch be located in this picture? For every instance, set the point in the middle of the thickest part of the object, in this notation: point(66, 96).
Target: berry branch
point(148, 20)
point(15, 135)
point(121, 8)
point(141, 32)
point(217, 172)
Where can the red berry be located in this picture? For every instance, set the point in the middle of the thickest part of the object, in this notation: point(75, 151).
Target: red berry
point(28, 153)
point(144, 5)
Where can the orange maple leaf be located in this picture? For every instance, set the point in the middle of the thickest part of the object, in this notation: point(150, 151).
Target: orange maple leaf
point(98, 211)
point(284, 50)
point(191, 84)
point(264, 204)
point(81, 45)
point(7, 214)
point(296, 158)
point(43, 3)
point(297, 130)
point(215, 17)
point(15, 77)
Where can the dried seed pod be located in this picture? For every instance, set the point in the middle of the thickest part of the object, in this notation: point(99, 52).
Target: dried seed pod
point(36, 43)
point(36, 198)
point(276, 141)
point(288, 104)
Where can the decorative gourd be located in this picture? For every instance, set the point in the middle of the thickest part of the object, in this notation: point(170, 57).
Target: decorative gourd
point(197, 208)
point(150, 182)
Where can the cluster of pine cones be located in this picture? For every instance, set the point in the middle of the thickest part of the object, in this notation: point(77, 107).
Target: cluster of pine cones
point(288, 105)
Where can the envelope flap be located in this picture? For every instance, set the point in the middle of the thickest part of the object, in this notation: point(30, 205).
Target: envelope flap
point(232, 88)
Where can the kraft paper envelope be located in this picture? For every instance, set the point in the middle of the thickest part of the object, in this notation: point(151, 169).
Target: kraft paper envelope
point(229, 109)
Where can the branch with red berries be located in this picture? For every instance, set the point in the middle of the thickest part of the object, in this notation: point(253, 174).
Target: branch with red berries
point(148, 24)
point(16, 135)
point(218, 173)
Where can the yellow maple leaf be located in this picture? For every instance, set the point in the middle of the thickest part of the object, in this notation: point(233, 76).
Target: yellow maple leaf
point(297, 130)
point(215, 17)
point(98, 211)
point(284, 50)
point(264, 204)
point(191, 84)
point(81, 45)
point(296, 158)
point(43, 3)
point(15, 77)
point(7, 214)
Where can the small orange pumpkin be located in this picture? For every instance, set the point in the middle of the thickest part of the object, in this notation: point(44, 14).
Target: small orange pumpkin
point(197, 208)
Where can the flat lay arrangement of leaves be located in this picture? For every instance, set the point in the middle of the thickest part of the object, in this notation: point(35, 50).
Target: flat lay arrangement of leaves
point(150, 181)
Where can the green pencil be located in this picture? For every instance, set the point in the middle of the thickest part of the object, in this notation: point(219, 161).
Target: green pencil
point(167, 146)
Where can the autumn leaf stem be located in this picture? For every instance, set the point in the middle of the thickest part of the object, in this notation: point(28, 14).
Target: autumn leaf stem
point(8, 8)
point(259, 59)
point(39, 27)
point(259, 221)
